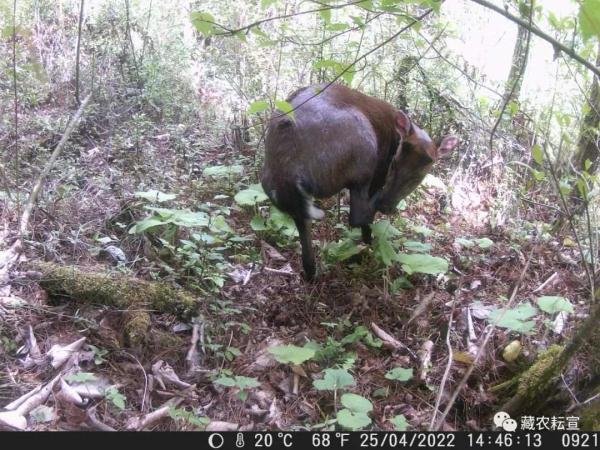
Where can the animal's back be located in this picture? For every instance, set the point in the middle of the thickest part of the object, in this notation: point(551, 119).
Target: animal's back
point(328, 145)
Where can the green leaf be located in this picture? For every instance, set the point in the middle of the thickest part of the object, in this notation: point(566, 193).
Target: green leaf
point(467, 243)
point(356, 403)
point(291, 354)
point(188, 416)
point(553, 304)
point(399, 374)
point(42, 414)
point(155, 196)
point(219, 225)
point(484, 243)
point(400, 423)
point(80, 377)
point(258, 106)
point(384, 250)
point(251, 196)
point(264, 4)
point(419, 247)
point(335, 27)
point(538, 154)
point(115, 397)
point(589, 19)
point(203, 22)
point(416, 263)
point(147, 223)
point(325, 15)
point(223, 171)
point(353, 420)
point(515, 319)
point(334, 379)
point(286, 108)
point(341, 250)
point(258, 223)
point(238, 381)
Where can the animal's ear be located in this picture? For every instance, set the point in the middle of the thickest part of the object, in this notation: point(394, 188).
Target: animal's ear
point(403, 125)
point(448, 144)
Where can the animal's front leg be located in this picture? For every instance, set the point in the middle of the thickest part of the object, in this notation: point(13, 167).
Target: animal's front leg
point(361, 212)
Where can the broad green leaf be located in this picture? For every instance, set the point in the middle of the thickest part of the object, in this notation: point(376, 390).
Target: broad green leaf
point(335, 27)
point(538, 154)
point(384, 250)
point(423, 231)
point(587, 164)
point(42, 414)
point(291, 354)
point(589, 18)
point(428, 264)
point(155, 196)
point(147, 223)
point(353, 420)
point(219, 225)
point(384, 230)
point(258, 223)
point(80, 377)
point(399, 374)
point(238, 381)
point(286, 108)
point(356, 403)
point(264, 4)
point(484, 243)
point(467, 243)
point(251, 196)
point(515, 319)
point(203, 22)
point(258, 106)
point(334, 379)
point(188, 416)
point(182, 217)
point(419, 247)
point(342, 250)
point(552, 304)
point(115, 397)
point(565, 187)
point(222, 171)
point(400, 423)
point(325, 15)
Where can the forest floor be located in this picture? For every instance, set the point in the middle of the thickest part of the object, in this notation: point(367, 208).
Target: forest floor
point(89, 203)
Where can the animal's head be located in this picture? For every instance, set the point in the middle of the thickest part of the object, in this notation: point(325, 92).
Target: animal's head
point(414, 158)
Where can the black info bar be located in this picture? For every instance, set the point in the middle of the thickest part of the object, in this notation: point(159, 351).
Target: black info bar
point(325, 440)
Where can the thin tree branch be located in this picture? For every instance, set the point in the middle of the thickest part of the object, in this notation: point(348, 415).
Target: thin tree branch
point(77, 54)
point(557, 45)
point(516, 82)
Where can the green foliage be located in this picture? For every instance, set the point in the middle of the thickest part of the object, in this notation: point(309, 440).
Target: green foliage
point(589, 19)
point(113, 395)
point(223, 171)
point(291, 354)
point(99, 354)
point(251, 196)
point(155, 196)
point(354, 415)
point(258, 107)
point(334, 379)
point(240, 382)
point(417, 263)
point(400, 423)
point(80, 377)
point(189, 417)
point(418, 247)
point(203, 22)
point(399, 374)
point(554, 304)
point(514, 319)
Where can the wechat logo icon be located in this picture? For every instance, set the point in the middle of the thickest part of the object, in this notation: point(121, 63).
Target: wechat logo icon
point(504, 421)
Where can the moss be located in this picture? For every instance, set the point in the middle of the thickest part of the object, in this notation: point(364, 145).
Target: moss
point(589, 417)
point(119, 291)
point(537, 379)
point(113, 289)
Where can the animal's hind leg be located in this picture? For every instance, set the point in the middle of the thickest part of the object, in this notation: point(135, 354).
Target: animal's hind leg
point(308, 255)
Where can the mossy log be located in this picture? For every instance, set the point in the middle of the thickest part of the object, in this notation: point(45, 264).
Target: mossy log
point(535, 383)
point(138, 297)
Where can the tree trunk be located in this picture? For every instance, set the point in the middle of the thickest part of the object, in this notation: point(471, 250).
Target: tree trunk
point(512, 89)
point(587, 146)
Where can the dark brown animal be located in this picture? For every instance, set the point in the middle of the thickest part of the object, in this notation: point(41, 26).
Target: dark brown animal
point(340, 138)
